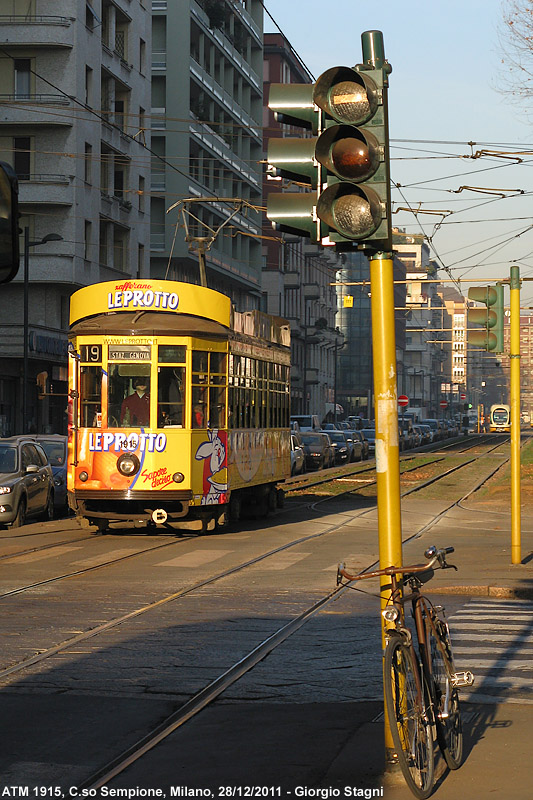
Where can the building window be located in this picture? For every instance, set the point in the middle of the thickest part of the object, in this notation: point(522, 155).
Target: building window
point(140, 260)
point(142, 56)
point(88, 86)
point(141, 194)
point(88, 162)
point(103, 242)
point(120, 248)
point(87, 240)
point(22, 157)
point(22, 78)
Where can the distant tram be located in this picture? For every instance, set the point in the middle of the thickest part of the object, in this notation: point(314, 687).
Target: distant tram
point(500, 418)
point(178, 407)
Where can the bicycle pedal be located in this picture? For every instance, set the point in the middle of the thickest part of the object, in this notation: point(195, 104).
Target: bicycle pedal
point(462, 679)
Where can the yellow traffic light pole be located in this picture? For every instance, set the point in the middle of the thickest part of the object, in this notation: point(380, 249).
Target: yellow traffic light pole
point(387, 437)
point(516, 549)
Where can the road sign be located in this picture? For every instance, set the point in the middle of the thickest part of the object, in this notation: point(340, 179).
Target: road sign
point(443, 404)
point(463, 396)
point(403, 400)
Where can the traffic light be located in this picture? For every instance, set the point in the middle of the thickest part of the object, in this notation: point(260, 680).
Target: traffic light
point(354, 151)
point(9, 232)
point(345, 162)
point(491, 317)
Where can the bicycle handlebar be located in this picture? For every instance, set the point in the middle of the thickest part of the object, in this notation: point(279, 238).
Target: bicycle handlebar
point(435, 556)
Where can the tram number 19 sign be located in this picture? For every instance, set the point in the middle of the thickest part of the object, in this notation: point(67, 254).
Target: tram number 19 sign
point(443, 404)
point(403, 400)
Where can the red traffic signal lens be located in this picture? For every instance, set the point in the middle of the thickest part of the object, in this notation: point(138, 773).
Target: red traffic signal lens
point(352, 211)
point(353, 159)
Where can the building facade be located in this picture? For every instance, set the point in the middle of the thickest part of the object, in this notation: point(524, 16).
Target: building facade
point(74, 93)
point(207, 143)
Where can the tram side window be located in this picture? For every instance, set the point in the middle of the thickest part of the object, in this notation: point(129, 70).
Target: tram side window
point(91, 397)
point(129, 395)
point(171, 397)
point(208, 389)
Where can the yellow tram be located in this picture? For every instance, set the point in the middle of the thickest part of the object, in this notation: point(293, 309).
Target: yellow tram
point(178, 405)
point(500, 418)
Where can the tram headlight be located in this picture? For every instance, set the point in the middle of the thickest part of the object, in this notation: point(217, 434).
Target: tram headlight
point(178, 477)
point(128, 464)
point(83, 476)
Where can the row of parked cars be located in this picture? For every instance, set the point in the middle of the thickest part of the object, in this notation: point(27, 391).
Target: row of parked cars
point(318, 447)
point(33, 478)
point(330, 446)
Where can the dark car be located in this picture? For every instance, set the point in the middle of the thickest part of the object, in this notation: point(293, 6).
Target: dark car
point(340, 446)
point(26, 482)
point(297, 456)
point(354, 445)
point(364, 443)
point(317, 449)
point(370, 436)
point(55, 447)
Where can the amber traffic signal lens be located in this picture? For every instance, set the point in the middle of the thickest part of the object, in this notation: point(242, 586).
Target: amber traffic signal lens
point(354, 159)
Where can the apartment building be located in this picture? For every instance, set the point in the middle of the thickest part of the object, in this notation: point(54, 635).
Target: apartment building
point(207, 142)
point(74, 96)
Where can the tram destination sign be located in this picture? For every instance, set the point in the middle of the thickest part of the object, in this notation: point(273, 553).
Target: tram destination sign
point(129, 352)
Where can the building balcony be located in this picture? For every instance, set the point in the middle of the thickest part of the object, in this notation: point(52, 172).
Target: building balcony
point(16, 110)
point(46, 189)
point(291, 280)
point(36, 30)
point(159, 121)
point(159, 60)
point(311, 376)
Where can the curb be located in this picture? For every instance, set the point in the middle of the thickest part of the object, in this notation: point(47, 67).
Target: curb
point(506, 592)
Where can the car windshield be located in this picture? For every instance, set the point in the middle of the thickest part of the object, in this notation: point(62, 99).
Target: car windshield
point(337, 437)
point(55, 452)
point(8, 459)
point(369, 433)
point(311, 438)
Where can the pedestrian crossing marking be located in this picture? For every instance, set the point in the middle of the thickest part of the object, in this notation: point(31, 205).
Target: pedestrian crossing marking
point(195, 559)
point(40, 556)
point(103, 558)
point(281, 561)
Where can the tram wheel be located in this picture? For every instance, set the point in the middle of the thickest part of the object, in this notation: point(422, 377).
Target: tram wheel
point(272, 499)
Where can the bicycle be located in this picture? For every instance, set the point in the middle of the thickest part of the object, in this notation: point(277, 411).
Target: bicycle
point(421, 688)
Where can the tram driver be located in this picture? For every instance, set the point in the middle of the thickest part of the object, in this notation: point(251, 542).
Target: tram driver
point(135, 410)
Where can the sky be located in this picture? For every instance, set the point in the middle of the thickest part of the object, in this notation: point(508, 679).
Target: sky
point(445, 91)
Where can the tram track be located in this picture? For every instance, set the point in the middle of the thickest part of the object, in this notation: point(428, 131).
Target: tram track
point(84, 636)
point(188, 710)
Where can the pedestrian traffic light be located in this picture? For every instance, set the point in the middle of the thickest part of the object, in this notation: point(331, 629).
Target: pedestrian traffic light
point(354, 151)
point(491, 317)
point(9, 232)
point(294, 159)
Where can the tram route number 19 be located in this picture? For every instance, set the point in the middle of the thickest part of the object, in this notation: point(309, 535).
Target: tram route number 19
point(91, 353)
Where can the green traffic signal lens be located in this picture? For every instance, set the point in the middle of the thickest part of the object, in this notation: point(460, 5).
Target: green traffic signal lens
point(350, 102)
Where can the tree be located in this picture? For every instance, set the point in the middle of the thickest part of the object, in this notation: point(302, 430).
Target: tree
point(516, 41)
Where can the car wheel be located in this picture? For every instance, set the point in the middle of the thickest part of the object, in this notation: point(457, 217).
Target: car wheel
point(20, 519)
point(48, 513)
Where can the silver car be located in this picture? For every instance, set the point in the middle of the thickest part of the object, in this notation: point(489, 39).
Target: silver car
point(26, 482)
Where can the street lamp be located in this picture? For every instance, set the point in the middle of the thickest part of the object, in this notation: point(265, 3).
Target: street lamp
point(50, 237)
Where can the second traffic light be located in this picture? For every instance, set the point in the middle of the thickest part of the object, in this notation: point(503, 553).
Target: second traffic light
point(490, 337)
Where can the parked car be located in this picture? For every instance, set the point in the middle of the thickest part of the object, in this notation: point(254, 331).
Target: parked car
point(354, 445)
point(317, 449)
point(340, 446)
point(435, 426)
point(364, 443)
point(306, 422)
point(427, 433)
point(55, 447)
point(297, 456)
point(370, 436)
point(26, 482)
point(417, 436)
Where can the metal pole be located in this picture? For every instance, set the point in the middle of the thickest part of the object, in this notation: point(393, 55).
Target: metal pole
point(25, 332)
point(387, 438)
point(335, 382)
point(516, 554)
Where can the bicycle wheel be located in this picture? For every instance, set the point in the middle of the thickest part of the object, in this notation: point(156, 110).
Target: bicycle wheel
point(409, 719)
point(449, 728)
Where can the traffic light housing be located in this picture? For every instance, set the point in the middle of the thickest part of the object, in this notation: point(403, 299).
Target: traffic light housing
point(345, 160)
point(490, 337)
point(354, 151)
point(9, 231)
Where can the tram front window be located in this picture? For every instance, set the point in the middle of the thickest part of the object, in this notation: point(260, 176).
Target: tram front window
point(129, 396)
point(171, 397)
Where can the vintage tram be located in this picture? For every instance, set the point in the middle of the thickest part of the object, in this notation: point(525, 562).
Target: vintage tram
point(178, 405)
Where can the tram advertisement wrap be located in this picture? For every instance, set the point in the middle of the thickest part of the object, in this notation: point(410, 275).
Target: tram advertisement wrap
point(160, 457)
